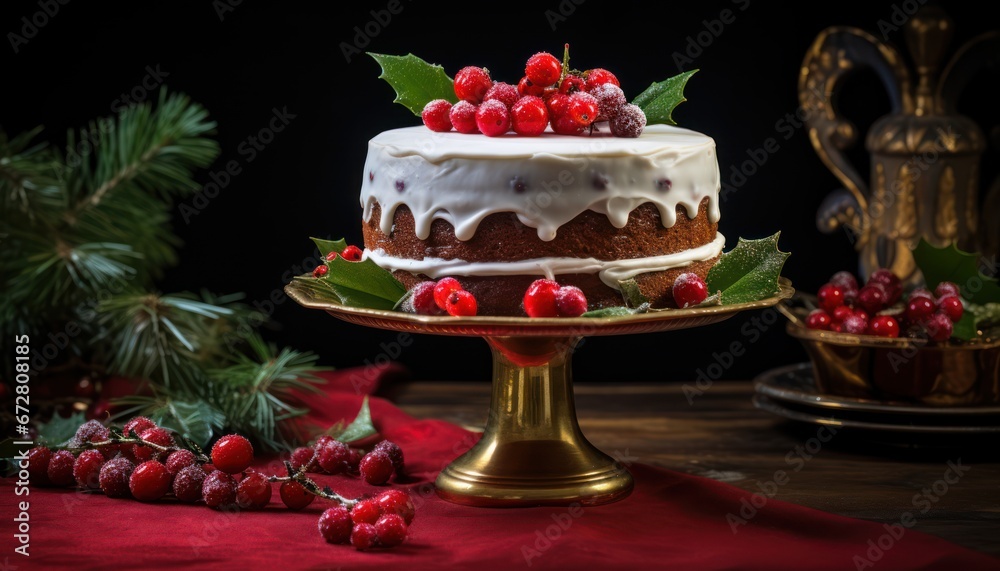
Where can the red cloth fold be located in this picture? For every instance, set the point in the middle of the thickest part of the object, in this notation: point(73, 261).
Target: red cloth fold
point(671, 520)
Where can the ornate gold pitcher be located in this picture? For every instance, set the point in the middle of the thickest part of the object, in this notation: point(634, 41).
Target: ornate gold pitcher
point(925, 157)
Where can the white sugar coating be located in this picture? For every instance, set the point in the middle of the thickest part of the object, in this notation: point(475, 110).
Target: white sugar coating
point(629, 122)
point(610, 99)
point(114, 477)
point(686, 278)
point(188, 483)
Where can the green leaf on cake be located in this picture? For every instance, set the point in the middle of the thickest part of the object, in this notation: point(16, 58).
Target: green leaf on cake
point(416, 82)
point(748, 272)
point(617, 311)
point(660, 99)
point(355, 284)
point(965, 328)
point(632, 294)
point(949, 264)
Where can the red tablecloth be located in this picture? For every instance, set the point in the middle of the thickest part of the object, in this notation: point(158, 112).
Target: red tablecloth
point(671, 520)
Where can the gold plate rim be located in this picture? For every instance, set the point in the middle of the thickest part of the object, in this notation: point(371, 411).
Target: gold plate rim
point(532, 325)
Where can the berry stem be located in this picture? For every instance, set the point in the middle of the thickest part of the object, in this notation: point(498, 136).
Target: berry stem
point(565, 63)
point(311, 486)
point(113, 440)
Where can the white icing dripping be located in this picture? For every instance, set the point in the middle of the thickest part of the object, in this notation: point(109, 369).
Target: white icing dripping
point(462, 179)
point(610, 272)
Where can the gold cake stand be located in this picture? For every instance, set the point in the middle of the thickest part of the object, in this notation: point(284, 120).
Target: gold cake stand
point(532, 451)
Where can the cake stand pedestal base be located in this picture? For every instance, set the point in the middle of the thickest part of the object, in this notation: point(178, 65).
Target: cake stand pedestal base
point(532, 451)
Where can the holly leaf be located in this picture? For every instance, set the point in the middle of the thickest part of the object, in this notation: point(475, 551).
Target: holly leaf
point(58, 429)
point(617, 311)
point(965, 328)
point(748, 272)
point(659, 100)
point(360, 428)
point(327, 246)
point(416, 82)
point(633, 296)
point(949, 264)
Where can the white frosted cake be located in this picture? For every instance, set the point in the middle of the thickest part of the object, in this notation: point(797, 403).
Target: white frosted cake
point(497, 213)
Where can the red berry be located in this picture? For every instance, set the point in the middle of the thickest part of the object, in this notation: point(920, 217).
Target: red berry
point(493, 118)
point(830, 297)
point(232, 454)
point(188, 483)
point(364, 536)
point(376, 467)
point(60, 470)
point(919, 309)
point(460, 304)
point(422, 299)
point(610, 100)
point(557, 103)
point(572, 84)
point(335, 525)
point(504, 93)
point(583, 108)
point(861, 313)
point(156, 435)
point(947, 288)
point(137, 425)
point(443, 289)
point(529, 116)
point(366, 511)
point(872, 298)
point(352, 253)
point(87, 469)
point(437, 115)
point(819, 319)
point(845, 280)
point(540, 299)
point(951, 306)
point(390, 530)
point(218, 490)
point(600, 76)
point(854, 324)
point(922, 292)
point(939, 327)
point(253, 491)
point(301, 456)
point(294, 495)
point(92, 431)
point(841, 313)
point(355, 460)
point(149, 481)
point(396, 502)
point(115, 476)
point(393, 451)
point(543, 69)
point(472, 83)
point(890, 283)
point(463, 117)
point(629, 122)
point(570, 301)
point(883, 326)
point(320, 271)
point(565, 125)
point(38, 465)
point(333, 456)
point(178, 460)
point(689, 289)
point(526, 87)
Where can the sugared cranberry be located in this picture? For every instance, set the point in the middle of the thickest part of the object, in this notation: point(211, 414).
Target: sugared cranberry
point(493, 118)
point(883, 326)
point(583, 108)
point(114, 477)
point(570, 301)
point(689, 289)
point(543, 69)
point(253, 492)
point(87, 469)
point(335, 525)
point(294, 495)
point(38, 465)
point(526, 87)
point(437, 115)
point(188, 483)
point(504, 93)
point(472, 83)
point(178, 460)
point(540, 299)
point(854, 324)
point(947, 288)
point(463, 117)
point(390, 530)
point(364, 536)
point(396, 502)
point(394, 452)
point(818, 319)
point(422, 299)
point(610, 100)
point(60, 469)
point(218, 490)
point(890, 283)
point(333, 456)
point(939, 327)
point(366, 511)
point(600, 76)
point(629, 122)
point(376, 468)
point(951, 305)
point(840, 313)
point(830, 297)
point(301, 456)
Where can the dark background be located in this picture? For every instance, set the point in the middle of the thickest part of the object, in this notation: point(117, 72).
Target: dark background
point(260, 56)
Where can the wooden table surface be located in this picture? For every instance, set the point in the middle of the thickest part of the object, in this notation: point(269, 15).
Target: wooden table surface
point(722, 436)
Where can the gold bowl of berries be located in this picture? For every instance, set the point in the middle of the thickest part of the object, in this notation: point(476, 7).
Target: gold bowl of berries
point(935, 347)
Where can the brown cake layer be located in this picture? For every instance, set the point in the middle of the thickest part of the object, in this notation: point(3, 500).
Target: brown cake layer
point(502, 237)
